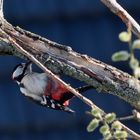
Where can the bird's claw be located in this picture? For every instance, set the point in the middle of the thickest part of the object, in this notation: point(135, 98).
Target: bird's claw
point(43, 101)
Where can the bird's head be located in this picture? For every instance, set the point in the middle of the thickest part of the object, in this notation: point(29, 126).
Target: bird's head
point(21, 70)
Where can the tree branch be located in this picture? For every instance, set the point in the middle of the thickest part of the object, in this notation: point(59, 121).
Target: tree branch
point(118, 10)
point(77, 94)
point(62, 59)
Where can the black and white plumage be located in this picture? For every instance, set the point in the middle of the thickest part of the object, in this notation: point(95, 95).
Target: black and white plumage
point(42, 89)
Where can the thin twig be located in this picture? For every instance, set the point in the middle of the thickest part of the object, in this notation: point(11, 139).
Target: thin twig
point(123, 14)
point(135, 115)
point(126, 118)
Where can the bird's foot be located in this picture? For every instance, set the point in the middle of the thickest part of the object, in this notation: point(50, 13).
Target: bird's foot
point(43, 101)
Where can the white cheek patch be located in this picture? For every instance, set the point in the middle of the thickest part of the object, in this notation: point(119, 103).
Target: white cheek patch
point(18, 72)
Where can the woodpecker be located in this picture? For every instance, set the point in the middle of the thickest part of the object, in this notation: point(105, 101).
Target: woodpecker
point(42, 89)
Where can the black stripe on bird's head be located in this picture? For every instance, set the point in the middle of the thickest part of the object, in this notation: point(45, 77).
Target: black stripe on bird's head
point(21, 70)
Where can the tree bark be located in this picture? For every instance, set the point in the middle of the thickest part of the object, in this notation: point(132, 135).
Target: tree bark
point(118, 10)
point(62, 59)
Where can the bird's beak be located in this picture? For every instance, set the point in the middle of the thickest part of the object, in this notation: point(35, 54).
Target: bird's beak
point(13, 78)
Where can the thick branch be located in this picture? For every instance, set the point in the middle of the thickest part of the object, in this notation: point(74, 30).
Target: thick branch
point(62, 59)
point(123, 14)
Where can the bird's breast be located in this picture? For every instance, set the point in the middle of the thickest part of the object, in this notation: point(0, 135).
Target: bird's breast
point(35, 84)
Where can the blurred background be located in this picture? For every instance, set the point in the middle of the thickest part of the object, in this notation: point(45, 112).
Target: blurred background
point(89, 28)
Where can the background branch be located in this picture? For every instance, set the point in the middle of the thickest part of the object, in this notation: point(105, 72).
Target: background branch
point(118, 10)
